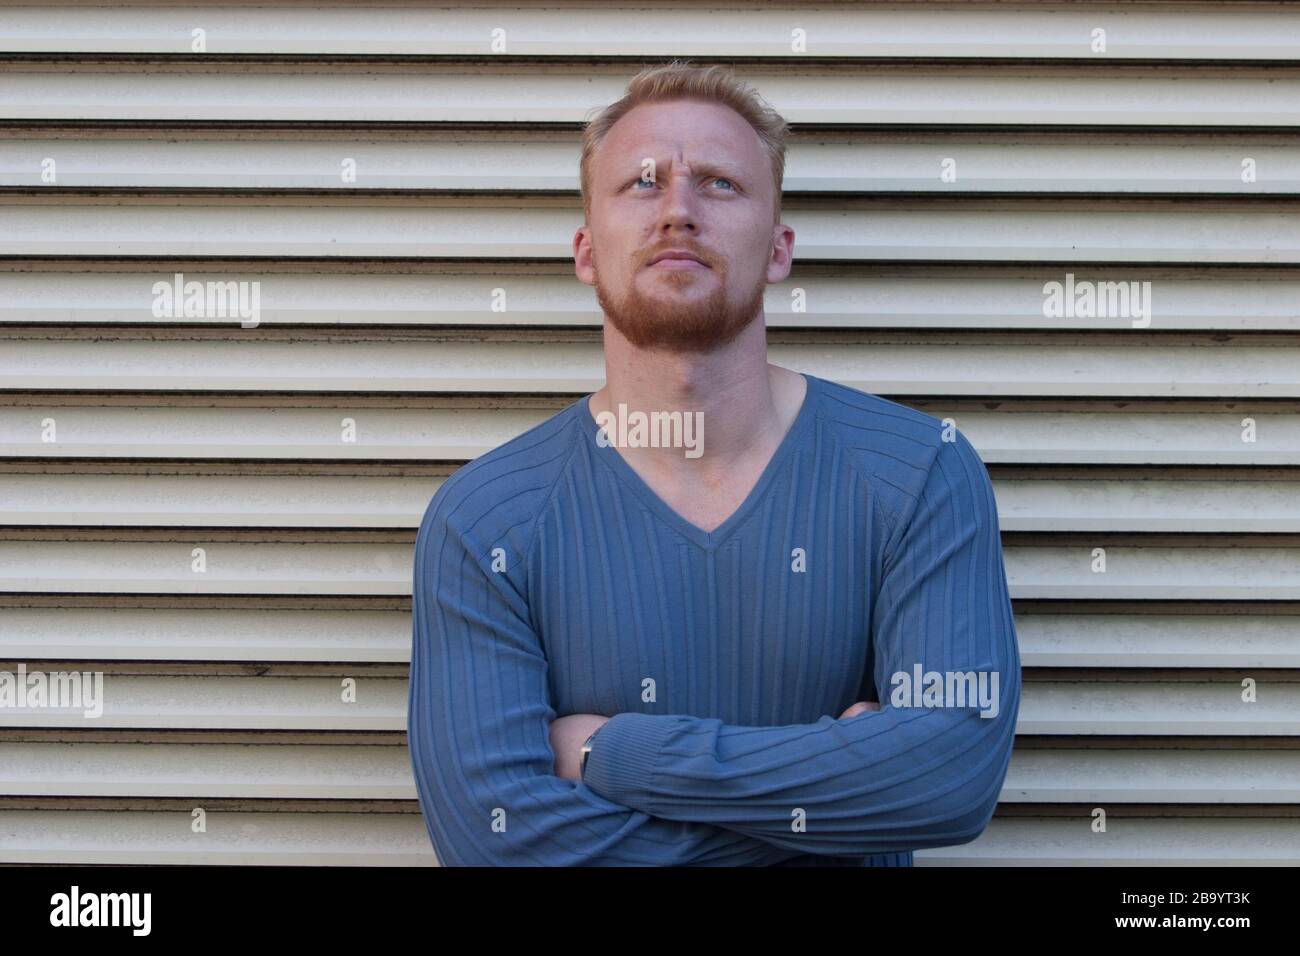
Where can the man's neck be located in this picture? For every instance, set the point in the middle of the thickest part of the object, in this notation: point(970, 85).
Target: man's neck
point(745, 404)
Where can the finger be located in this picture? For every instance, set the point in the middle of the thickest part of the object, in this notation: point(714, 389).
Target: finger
point(861, 707)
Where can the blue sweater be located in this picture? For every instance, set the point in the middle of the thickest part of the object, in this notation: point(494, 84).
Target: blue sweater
point(549, 579)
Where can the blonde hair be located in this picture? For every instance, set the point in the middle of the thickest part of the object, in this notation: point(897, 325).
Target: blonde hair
point(681, 80)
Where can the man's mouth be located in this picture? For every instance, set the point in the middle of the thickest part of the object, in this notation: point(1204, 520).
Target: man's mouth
point(678, 260)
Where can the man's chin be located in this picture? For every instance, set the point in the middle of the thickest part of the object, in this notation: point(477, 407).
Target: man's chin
point(682, 335)
point(687, 317)
point(675, 287)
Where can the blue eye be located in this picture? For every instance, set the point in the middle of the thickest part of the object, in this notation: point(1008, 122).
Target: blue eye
point(642, 181)
point(724, 179)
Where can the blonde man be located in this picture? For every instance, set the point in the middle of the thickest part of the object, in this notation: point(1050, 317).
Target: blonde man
point(718, 612)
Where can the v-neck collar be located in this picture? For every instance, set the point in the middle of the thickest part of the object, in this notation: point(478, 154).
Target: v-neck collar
point(708, 540)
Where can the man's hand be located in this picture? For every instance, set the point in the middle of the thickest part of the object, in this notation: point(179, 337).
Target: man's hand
point(861, 707)
point(568, 734)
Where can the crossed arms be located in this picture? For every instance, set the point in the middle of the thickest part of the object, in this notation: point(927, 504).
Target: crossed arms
point(674, 789)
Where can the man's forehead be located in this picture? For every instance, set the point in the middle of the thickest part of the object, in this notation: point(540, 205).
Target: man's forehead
point(695, 129)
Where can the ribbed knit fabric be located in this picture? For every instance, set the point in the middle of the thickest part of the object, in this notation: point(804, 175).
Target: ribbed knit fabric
point(549, 580)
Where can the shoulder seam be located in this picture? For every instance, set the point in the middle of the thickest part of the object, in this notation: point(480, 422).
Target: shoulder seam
point(858, 469)
point(537, 523)
point(916, 501)
point(550, 494)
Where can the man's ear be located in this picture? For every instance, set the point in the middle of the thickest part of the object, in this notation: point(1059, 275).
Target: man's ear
point(582, 266)
point(779, 265)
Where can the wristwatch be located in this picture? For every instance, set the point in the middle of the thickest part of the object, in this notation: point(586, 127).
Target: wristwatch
point(586, 751)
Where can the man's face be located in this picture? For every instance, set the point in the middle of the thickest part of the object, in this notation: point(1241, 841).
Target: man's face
point(708, 192)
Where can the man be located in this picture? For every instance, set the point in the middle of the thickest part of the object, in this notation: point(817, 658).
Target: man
point(626, 653)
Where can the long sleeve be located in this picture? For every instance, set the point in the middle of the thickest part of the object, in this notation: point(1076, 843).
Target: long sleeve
point(903, 777)
point(478, 728)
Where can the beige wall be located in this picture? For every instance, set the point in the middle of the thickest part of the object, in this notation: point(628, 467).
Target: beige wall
point(216, 511)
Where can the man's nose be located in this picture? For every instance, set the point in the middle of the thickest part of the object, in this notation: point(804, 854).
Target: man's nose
point(678, 207)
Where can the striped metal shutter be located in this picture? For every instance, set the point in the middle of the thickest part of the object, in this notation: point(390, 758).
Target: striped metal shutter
point(216, 510)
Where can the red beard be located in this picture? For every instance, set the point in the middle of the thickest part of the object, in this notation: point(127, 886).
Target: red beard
point(695, 325)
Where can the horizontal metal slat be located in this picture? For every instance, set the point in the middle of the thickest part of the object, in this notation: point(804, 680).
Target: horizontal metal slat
point(355, 839)
point(974, 94)
point(166, 567)
point(1127, 436)
point(309, 772)
point(1128, 841)
point(212, 703)
point(320, 501)
point(1075, 639)
point(304, 501)
point(1233, 505)
point(1155, 708)
point(230, 838)
point(996, 162)
point(1147, 368)
point(204, 634)
point(928, 297)
point(1095, 708)
point(1149, 573)
point(272, 432)
point(228, 567)
point(1152, 776)
point(207, 771)
point(1234, 640)
point(1216, 32)
point(906, 232)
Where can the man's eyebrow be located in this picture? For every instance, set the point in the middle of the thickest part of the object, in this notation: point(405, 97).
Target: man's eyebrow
point(735, 172)
point(709, 166)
